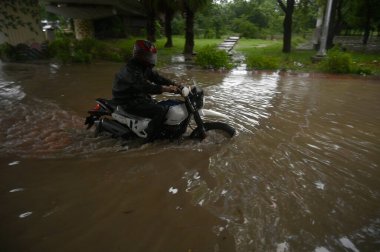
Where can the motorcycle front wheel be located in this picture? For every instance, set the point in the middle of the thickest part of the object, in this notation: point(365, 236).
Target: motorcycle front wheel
point(214, 130)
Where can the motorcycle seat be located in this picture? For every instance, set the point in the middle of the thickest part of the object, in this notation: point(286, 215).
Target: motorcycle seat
point(119, 110)
point(108, 103)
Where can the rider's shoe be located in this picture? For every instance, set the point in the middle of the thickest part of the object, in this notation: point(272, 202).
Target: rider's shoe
point(152, 135)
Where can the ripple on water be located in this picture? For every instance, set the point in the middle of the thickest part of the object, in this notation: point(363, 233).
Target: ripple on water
point(33, 127)
point(294, 166)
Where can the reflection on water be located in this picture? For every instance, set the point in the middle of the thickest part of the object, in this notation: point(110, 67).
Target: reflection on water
point(302, 174)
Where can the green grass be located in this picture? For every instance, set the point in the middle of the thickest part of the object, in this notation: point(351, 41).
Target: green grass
point(266, 54)
point(270, 52)
point(164, 54)
point(369, 61)
point(259, 54)
point(251, 45)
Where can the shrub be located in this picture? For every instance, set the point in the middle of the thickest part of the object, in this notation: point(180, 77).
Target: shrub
point(22, 52)
point(261, 62)
point(105, 52)
point(84, 51)
point(125, 51)
point(60, 49)
point(211, 57)
point(87, 45)
point(81, 56)
point(7, 52)
point(178, 26)
point(362, 70)
point(209, 34)
point(337, 62)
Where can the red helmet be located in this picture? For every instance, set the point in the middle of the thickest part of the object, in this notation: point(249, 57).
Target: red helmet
point(146, 52)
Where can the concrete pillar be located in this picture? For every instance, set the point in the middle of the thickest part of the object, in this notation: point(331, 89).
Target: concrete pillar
point(49, 35)
point(325, 31)
point(84, 28)
point(318, 29)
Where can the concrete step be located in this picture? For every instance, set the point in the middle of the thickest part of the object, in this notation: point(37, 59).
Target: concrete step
point(228, 44)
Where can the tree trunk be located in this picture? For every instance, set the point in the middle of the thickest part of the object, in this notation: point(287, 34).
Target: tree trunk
point(168, 28)
point(287, 24)
point(339, 23)
point(151, 27)
point(189, 32)
point(367, 25)
point(336, 5)
point(287, 40)
point(367, 30)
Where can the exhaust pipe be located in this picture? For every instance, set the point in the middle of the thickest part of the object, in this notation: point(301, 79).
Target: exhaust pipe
point(113, 127)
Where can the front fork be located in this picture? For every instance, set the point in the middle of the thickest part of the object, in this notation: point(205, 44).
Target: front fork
point(197, 118)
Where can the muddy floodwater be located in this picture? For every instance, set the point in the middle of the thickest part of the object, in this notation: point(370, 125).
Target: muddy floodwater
point(302, 173)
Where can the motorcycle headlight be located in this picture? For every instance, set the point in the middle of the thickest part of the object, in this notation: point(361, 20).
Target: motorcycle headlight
point(185, 91)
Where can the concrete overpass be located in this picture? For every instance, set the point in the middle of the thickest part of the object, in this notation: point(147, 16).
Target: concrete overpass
point(93, 9)
point(84, 12)
point(27, 25)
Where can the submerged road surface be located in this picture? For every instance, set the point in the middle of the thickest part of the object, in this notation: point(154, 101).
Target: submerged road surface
point(302, 173)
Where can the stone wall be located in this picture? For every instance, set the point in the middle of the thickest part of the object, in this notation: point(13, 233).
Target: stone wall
point(83, 29)
point(20, 22)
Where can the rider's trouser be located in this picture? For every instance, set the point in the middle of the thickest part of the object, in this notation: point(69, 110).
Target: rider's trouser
point(150, 110)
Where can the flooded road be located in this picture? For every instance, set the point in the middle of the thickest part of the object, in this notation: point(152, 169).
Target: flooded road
point(302, 173)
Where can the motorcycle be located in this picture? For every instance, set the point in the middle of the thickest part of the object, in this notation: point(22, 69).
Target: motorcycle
point(108, 117)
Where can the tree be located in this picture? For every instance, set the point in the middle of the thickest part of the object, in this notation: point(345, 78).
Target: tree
point(263, 14)
point(244, 27)
point(151, 12)
point(256, 12)
point(169, 8)
point(287, 24)
point(213, 20)
point(304, 16)
point(190, 7)
point(360, 15)
point(370, 10)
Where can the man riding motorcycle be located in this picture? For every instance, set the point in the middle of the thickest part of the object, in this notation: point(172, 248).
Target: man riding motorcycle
point(136, 81)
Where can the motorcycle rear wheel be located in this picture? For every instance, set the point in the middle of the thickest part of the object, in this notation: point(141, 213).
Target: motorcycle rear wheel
point(222, 130)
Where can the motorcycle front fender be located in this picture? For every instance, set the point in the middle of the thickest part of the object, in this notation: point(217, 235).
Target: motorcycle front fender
point(211, 113)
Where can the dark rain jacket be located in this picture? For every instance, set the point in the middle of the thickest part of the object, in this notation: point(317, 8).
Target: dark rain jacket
point(135, 83)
